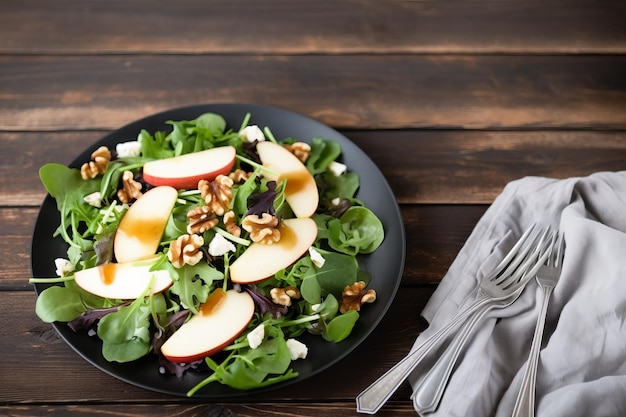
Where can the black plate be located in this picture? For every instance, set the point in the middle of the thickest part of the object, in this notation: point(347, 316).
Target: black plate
point(386, 264)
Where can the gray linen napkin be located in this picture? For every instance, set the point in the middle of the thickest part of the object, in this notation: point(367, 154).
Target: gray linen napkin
point(582, 366)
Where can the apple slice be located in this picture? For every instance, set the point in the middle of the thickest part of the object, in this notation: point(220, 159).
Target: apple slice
point(261, 261)
point(301, 192)
point(222, 318)
point(185, 171)
point(139, 232)
point(124, 281)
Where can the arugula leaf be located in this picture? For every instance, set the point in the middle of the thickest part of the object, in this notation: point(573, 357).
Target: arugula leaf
point(193, 283)
point(155, 147)
point(295, 274)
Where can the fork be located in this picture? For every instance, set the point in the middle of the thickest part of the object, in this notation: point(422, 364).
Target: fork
point(547, 278)
point(429, 390)
point(510, 275)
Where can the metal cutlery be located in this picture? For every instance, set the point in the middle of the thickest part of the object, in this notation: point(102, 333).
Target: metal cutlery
point(515, 270)
point(429, 391)
point(547, 278)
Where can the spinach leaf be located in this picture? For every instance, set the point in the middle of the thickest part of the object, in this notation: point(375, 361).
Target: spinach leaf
point(341, 326)
point(342, 186)
point(212, 122)
point(358, 230)
point(59, 303)
point(339, 270)
point(125, 333)
point(311, 290)
point(247, 368)
point(323, 152)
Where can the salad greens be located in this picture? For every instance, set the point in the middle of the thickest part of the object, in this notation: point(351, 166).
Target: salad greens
point(90, 212)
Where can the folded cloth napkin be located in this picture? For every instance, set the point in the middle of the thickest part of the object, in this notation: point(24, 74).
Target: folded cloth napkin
point(582, 365)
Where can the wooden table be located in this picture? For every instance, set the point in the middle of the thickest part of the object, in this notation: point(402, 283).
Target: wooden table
point(451, 100)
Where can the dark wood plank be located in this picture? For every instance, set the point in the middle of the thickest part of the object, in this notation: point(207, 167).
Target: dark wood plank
point(428, 258)
point(436, 167)
point(312, 27)
point(353, 91)
point(291, 409)
point(43, 357)
point(472, 167)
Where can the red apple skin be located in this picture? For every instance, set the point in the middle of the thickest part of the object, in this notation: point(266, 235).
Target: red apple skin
point(222, 318)
point(301, 192)
point(123, 281)
point(261, 261)
point(185, 171)
point(139, 232)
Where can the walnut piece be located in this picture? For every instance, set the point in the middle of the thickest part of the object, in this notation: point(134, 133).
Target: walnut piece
point(355, 295)
point(201, 219)
point(217, 194)
point(185, 250)
point(262, 229)
point(99, 160)
point(130, 190)
point(231, 226)
point(283, 296)
point(300, 149)
point(239, 176)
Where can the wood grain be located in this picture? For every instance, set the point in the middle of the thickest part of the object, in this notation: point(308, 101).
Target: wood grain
point(346, 91)
point(451, 99)
point(436, 167)
point(312, 27)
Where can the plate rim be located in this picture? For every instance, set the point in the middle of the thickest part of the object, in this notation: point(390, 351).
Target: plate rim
point(161, 116)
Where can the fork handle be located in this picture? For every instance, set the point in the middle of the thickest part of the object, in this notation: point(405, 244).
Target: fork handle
point(427, 395)
point(372, 398)
point(525, 403)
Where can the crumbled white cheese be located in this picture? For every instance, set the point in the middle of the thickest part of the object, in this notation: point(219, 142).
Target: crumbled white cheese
point(94, 199)
point(252, 133)
point(219, 245)
point(316, 257)
point(335, 201)
point(256, 336)
point(63, 267)
point(337, 168)
point(298, 350)
point(124, 149)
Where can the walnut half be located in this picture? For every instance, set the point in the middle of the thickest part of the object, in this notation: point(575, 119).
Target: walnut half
point(262, 229)
point(99, 160)
point(300, 149)
point(283, 296)
point(130, 190)
point(185, 250)
point(355, 295)
point(217, 194)
point(201, 219)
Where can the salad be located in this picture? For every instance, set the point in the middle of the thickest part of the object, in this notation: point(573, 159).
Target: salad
point(214, 249)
